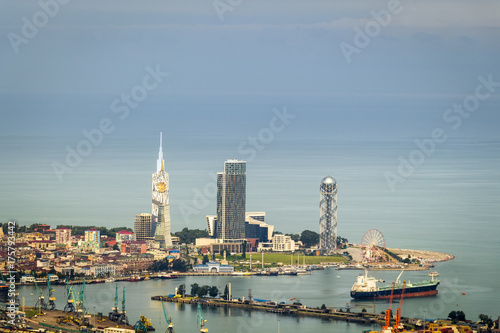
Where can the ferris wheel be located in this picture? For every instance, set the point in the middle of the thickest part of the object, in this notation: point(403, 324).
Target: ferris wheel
point(372, 244)
point(372, 238)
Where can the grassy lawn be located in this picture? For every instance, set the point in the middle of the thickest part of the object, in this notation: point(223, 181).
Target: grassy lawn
point(275, 258)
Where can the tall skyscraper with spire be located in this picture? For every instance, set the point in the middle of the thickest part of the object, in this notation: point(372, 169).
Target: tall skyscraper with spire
point(160, 202)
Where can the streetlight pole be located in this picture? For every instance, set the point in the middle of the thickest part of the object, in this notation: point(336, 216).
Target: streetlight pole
point(31, 299)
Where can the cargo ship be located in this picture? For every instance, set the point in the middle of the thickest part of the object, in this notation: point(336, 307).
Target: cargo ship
point(366, 287)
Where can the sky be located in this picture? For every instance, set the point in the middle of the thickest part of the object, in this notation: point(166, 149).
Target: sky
point(210, 74)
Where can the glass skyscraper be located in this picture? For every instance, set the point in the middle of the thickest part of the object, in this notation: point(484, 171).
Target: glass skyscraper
point(231, 198)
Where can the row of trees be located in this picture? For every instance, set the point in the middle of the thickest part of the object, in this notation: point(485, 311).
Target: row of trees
point(188, 236)
point(200, 291)
point(457, 316)
point(164, 264)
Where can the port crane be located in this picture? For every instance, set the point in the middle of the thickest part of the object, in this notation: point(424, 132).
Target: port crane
point(398, 325)
point(113, 315)
point(40, 303)
point(202, 320)
point(122, 315)
point(70, 293)
point(81, 304)
point(51, 305)
point(170, 328)
point(388, 312)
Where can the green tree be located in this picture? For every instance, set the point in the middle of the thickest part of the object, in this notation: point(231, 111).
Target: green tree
point(179, 265)
point(202, 291)
point(486, 320)
point(194, 289)
point(453, 316)
point(294, 237)
point(188, 236)
point(181, 290)
point(225, 295)
point(244, 254)
point(205, 259)
point(213, 291)
point(309, 238)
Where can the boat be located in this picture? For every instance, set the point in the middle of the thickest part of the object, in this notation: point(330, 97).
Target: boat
point(366, 287)
point(134, 278)
point(302, 271)
point(165, 276)
point(109, 280)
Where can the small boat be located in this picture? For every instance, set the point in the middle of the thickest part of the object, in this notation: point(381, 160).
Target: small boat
point(165, 276)
point(108, 280)
point(133, 278)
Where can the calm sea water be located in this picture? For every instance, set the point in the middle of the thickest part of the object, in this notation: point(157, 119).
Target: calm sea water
point(450, 203)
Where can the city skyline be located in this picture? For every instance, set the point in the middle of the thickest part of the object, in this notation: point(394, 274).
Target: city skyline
point(84, 100)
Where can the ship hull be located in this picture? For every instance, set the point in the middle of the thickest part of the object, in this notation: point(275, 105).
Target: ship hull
point(421, 291)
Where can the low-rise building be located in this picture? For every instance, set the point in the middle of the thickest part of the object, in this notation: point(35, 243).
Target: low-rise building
point(125, 235)
point(102, 270)
point(213, 267)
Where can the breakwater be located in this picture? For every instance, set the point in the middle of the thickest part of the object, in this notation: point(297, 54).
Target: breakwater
point(282, 309)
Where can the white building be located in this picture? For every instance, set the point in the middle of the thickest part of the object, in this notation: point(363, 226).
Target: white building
point(63, 236)
point(279, 243)
point(102, 269)
point(283, 243)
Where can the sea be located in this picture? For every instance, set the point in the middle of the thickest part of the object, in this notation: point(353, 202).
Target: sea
point(400, 169)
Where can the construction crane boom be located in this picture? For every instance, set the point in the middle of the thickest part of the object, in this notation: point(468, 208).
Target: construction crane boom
point(202, 320)
point(170, 328)
point(388, 312)
point(400, 308)
point(41, 299)
point(52, 304)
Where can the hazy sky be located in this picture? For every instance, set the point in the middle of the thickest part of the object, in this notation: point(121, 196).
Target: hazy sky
point(348, 70)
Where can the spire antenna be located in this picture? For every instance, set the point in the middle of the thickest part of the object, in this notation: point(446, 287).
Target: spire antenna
point(159, 162)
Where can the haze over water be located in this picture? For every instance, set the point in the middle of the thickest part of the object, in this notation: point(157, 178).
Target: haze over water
point(353, 118)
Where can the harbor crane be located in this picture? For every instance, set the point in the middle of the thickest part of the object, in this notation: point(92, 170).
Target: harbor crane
point(70, 294)
point(398, 325)
point(170, 328)
point(81, 303)
point(52, 298)
point(122, 317)
point(113, 315)
point(202, 320)
point(388, 312)
point(40, 303)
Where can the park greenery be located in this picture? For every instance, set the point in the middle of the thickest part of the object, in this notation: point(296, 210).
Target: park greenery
point(164, 264)
point(202, 291)
point(188, 236)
